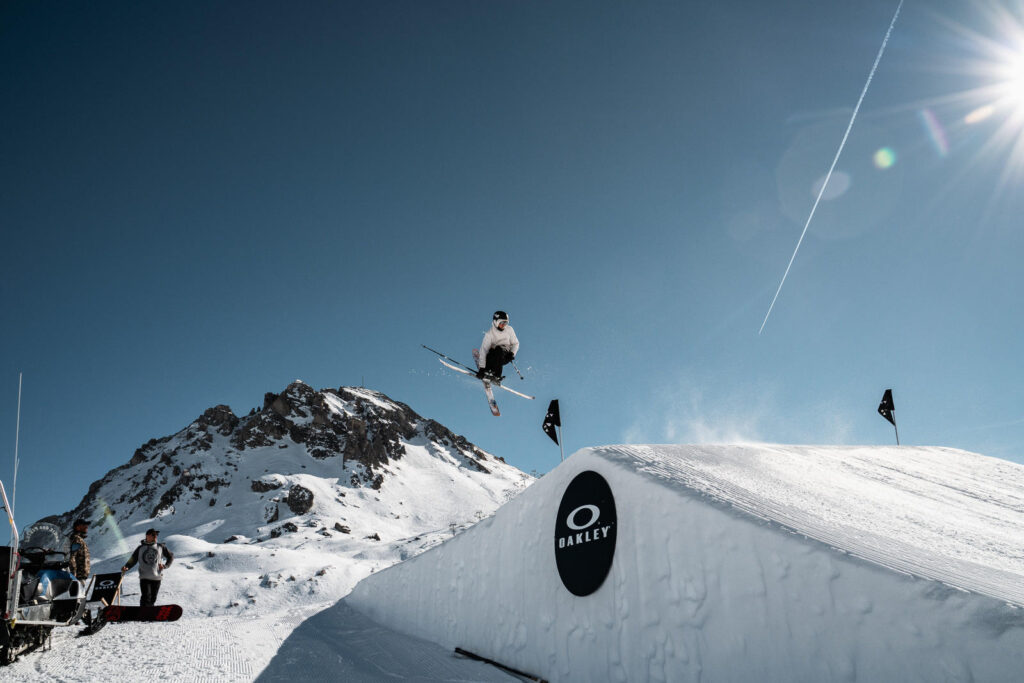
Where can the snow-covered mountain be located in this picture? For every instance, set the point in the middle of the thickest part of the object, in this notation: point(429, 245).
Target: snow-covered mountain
point(294, 503)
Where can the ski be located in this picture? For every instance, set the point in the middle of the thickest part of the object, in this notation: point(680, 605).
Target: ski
point(457, 368)
point(138, 613)
point(455, 365)
point(517, 393)
point(487, 387)
point(490, 398)
point(464, 368)
point(493, 383)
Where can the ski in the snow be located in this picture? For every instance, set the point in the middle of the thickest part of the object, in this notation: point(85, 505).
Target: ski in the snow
point(138, 613)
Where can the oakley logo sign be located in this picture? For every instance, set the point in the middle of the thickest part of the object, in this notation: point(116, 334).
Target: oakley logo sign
point(595, 513)
point(585, 533)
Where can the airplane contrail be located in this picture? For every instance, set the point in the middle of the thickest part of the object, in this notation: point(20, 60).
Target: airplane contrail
point(828, 176)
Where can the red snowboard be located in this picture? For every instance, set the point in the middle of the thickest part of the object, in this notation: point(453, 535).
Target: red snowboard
point(137, 613)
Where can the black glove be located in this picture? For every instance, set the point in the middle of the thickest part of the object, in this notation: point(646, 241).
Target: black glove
point(481, 373)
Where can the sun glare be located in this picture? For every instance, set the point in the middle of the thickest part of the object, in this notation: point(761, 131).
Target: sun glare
point(1015, 82)
point(997, 98)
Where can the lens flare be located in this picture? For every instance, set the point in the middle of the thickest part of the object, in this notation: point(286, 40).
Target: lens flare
point(885, 158)
point(118, 546)
point(835, 189)
point(936, 133)
point(997, 96)
point(979, 114)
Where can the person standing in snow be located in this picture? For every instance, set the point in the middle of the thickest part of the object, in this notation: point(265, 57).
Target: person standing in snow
point(152, 558)
point(499, 347)
point(80, 550)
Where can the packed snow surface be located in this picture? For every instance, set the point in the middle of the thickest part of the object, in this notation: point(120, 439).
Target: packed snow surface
point(741, 563)
point(938, 513)
point(732, 563)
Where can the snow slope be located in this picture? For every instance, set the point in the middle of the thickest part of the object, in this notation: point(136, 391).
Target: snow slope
point(743, 563)
point(732, 563)
point(272, 518)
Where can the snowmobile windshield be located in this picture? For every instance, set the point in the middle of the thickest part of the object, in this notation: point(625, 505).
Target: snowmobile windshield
point(45, 536)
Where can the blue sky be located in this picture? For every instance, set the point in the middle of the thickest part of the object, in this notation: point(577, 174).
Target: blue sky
point(204, 201)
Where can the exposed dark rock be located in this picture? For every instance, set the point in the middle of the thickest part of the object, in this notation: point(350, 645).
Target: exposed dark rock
point(215, 484)
point(300, 499)
point(338, 526)
point(220, 418)
point(148, 450)
point(166, 474)
point(262, 486)
point(287, 527)
point(263, 429)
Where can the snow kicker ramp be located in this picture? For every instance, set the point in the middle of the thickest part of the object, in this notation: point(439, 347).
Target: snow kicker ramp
point(734, 563)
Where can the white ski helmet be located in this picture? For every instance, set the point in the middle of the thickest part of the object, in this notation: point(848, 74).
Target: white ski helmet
point(500, 317)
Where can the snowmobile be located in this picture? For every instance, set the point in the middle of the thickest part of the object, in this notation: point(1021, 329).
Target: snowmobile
point(37, 592)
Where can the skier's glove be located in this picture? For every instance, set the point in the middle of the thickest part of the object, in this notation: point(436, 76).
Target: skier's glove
point(481, 373)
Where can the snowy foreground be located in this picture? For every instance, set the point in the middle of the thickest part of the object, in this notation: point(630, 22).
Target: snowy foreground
point(731, 563)
point(742, 563)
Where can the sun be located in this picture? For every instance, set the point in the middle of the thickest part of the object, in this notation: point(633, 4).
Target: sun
point(996, 66)
point(1014, 83)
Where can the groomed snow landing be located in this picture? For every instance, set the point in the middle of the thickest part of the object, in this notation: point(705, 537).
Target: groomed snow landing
point(740, 563)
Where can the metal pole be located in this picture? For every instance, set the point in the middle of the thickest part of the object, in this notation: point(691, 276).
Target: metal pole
point(561, 450)
point(897, 433)
point(517, 370)
point(17, 434)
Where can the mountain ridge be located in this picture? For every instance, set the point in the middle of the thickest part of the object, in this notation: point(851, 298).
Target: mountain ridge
point(293, 464)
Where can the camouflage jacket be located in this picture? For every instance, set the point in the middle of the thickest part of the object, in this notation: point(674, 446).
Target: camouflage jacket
point(79, 556)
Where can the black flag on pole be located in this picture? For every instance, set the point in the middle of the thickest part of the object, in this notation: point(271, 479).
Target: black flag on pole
point(886, 407)
point(552, 420)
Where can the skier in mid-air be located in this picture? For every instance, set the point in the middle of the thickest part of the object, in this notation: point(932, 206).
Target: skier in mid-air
point(499, 347)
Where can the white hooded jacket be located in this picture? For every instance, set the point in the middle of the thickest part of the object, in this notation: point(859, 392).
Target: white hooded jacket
point(505, 338)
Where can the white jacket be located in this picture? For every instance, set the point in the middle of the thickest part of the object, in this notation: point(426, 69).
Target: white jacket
point(494, 337)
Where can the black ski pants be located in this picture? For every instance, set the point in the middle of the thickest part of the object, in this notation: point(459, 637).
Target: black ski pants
point(150, 587)
point(496, 359)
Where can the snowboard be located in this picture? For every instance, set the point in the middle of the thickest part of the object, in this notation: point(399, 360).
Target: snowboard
point(138, 613)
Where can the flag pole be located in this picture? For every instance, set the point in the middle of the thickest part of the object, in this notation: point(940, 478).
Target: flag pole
point(897, 432)
point(17, 433)
point(561, 440)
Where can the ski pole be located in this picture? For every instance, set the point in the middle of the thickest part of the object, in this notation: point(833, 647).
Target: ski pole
point(517, 370)
point(448, 357)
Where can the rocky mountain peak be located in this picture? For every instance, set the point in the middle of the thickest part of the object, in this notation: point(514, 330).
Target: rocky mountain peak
point(277, 464)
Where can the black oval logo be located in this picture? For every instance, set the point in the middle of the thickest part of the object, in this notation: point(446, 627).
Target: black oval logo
point(585, 533)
